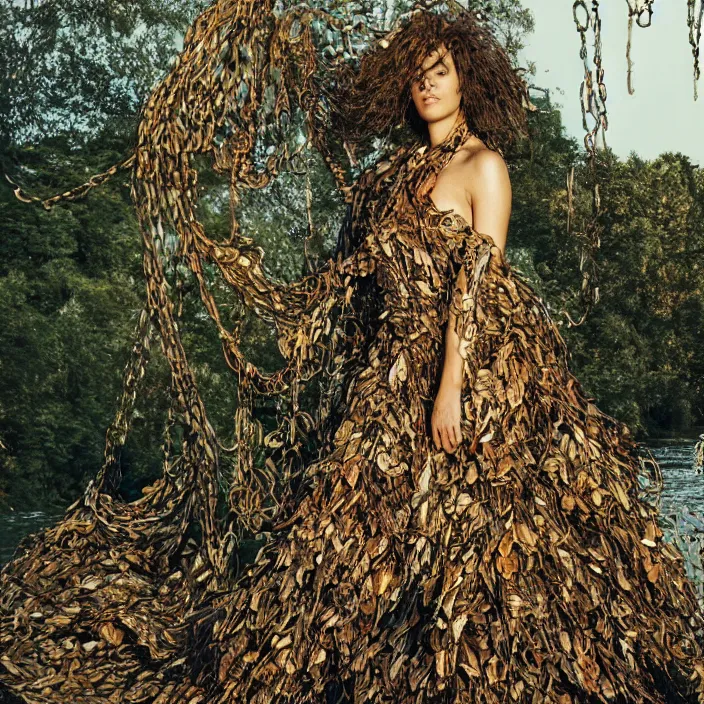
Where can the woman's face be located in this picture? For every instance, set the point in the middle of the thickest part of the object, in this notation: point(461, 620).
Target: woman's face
point(437, 94)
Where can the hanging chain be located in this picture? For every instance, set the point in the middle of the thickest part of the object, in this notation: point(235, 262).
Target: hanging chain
point(694, 22)
point(593, 100)
point(642, 12)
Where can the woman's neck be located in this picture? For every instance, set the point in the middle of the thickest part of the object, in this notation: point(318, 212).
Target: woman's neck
point(440, 129)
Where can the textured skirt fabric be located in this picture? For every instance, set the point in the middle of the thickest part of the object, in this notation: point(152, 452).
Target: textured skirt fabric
point(523, 567)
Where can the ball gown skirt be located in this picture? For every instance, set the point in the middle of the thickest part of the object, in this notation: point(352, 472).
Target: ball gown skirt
point(522, 567)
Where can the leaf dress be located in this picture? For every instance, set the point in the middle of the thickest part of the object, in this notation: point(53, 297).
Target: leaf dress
point(523, 567)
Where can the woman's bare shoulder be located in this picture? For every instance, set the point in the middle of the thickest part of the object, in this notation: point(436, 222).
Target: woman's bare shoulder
point(483, 172)
point(478, 159)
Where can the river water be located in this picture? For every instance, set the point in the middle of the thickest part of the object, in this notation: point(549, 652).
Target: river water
point(683, 492)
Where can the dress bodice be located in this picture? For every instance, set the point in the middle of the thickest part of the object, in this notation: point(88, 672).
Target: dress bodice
point(410, 254)
point(417, 257)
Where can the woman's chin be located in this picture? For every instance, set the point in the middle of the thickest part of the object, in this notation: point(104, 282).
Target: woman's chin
point(429, 112)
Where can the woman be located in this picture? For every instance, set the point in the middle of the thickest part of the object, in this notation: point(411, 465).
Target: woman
point(471, 529)
point(475, 186)
point(473, 533)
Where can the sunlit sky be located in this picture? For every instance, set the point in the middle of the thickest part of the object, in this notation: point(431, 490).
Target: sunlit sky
point(662, 115)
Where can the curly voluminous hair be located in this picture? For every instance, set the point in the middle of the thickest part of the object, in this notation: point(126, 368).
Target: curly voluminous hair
point(376, 97)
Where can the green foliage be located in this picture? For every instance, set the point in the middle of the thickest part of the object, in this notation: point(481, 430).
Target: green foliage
point(653, 238)
point(71, 65)
point(640, 350)
point(539, 167)
point(69, 301)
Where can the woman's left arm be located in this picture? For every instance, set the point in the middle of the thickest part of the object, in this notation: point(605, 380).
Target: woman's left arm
point(490, 193)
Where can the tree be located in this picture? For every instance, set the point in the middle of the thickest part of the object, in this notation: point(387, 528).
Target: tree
point(71, 66)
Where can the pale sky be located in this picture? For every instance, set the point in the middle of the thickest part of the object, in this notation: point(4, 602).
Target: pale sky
point(662, 115)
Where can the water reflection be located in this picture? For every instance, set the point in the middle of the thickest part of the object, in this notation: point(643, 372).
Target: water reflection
point(683, 487)
point(14, 526)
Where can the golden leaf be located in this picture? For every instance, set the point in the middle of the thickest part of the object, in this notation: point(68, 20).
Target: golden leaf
point(552, 464)
point(567, 502)
point(457, 626)
point(471, 474)
point(507, 566)
point(424, 289)
point(319, 657)
point(383, 579)
point(565, 641)
point(525, 535)
point(654, 572)
point(383, 460)
point(621, 578)
point(506, 544)
point(10, 666)
point(621, 495)
point(398, 371)
point(440, 660)
point(111, 633)
point(492, 670)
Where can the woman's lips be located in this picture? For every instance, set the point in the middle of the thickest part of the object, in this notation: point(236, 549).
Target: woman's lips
point(430, 101)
